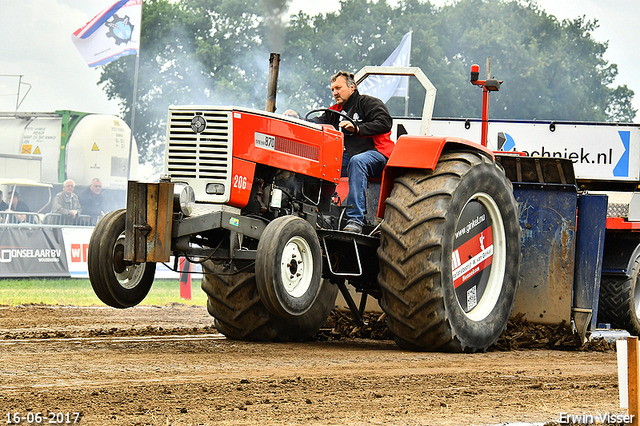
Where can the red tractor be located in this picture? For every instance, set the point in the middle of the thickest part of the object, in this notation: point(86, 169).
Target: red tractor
point(251, 195)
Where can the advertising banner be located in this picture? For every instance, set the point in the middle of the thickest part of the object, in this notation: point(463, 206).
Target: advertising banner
point(76, 244)
point(608, 152)
point(50, 251)
point(32, 252)
point(605, 151)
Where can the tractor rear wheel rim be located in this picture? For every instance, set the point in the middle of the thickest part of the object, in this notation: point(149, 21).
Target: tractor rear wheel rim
point(478, 276)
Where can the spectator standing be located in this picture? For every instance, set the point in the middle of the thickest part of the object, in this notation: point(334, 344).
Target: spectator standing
point(66, 203)
point(91, 200)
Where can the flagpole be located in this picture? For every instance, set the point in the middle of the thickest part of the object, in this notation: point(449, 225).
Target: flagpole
point(406, 95)
point(133, 111)
point(93, 42)
point(406, 99)
point(135, 95)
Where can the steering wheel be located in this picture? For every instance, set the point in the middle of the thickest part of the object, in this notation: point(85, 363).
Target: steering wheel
point(338, 113)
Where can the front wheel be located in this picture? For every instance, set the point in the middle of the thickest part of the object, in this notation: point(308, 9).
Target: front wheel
point(116, 283)
point(288, 266)
point(94, 266)
point(449, 255)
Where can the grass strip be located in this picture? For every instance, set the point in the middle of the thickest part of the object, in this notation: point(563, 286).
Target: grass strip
point(78, 292)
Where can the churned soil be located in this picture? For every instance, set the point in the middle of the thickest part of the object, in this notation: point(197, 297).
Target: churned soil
point(169, 366)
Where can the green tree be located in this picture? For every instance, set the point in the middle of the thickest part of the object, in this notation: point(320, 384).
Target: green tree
point(319, 46)
point(552, 70)
point(216, 52)
point(192, 52)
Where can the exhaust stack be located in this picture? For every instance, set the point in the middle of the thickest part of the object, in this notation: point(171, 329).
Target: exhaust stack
point(272, 84)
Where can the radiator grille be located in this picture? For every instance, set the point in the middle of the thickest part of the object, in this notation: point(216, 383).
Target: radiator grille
point(200, 158)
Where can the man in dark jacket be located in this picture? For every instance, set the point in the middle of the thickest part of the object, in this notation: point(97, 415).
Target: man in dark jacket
point(367, 145)
point(18, 207)
point(91, 200)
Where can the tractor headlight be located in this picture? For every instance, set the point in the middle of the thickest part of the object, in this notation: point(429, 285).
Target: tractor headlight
point(184, 198)
point(215, 188)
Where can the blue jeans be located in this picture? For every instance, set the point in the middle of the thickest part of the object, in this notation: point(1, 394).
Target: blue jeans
point(359, 169)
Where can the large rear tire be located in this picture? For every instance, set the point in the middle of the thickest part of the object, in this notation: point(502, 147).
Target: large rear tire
point(449, 255)
point(234, 302)
point(116, 282)
point(619, 303)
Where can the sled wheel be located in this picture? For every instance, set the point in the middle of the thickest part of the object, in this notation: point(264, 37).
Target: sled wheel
point(619, 303)
point(235, 304)
point(288, 266)
point(127, 283)
point(94, 264)
point(449, 255)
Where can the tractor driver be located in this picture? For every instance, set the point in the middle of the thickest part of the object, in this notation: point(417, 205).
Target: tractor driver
point(367, 145)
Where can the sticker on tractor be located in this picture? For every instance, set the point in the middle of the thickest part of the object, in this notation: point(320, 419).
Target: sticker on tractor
point(472, 255)
point(472, 298)
point(265, 141)
point(234, 221)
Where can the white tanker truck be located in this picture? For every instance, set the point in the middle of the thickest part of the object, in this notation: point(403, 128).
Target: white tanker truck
point(52, 147)
point(38, 152)
point(68, 145)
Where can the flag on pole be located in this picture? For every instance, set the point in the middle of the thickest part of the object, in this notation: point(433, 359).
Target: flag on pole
point(111, 34)
point(385, 87)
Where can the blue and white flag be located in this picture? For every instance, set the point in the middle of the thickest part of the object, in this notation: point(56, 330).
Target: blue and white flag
point(385, 87)
point(111, 34)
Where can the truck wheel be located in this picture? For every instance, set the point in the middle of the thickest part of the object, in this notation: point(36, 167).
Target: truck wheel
point(450, 255)
point(128, 284)
point(234, 302)
point(288, 266)
point(94, 263)
point(619, 303)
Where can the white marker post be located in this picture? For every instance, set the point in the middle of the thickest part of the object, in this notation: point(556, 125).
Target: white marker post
point(628, 376)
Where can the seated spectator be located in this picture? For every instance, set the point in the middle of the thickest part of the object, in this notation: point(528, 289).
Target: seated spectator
point(3, 205)
point(91, 200)
point(17, 206)
point(66, 203)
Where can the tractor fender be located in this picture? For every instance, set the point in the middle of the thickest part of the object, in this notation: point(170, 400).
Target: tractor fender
point(419, 152)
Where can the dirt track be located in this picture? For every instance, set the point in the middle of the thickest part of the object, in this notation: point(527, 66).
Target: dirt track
point(168, 366)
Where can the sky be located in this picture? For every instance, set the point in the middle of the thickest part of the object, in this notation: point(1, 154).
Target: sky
point(37, 45)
